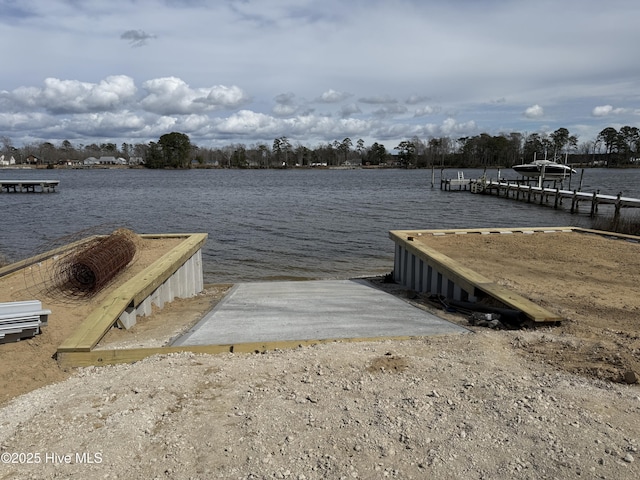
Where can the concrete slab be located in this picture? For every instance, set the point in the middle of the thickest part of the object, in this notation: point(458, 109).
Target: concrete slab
point(323, 309)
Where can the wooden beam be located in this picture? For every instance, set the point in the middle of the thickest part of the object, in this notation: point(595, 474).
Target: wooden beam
point(110, 357)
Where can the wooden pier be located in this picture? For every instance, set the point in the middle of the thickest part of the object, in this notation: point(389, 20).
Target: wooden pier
point(540, 194)
point(554, 196)
point(28, 186)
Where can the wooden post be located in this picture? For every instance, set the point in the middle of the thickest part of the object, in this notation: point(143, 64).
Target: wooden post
point(555, 203)
point(616, 214)
point(574, 202)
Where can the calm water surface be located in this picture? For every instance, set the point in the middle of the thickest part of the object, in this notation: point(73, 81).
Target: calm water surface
point(274, 224)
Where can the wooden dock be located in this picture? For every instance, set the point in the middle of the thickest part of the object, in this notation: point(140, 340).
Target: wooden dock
point(540, 194)
point(28, 186)
point(460, 182)
point(554, 196)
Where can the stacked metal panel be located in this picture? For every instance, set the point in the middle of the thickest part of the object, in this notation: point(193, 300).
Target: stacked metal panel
point(20, 320)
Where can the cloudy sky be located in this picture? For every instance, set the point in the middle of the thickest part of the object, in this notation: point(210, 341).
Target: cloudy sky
point(249, 71)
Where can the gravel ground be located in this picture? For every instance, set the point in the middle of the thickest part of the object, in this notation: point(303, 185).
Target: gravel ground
point(462, 406)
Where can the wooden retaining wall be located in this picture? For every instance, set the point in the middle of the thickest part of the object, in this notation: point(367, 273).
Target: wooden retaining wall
point(423, 269)
point(178, 273)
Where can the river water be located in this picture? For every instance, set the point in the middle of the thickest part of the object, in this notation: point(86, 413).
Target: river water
point(274, 224)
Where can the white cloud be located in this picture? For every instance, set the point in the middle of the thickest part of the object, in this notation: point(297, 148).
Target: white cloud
point(73, 96)
point(171, 95)
point(378, 100)
point(415, 99)
point(246, 121)
point(389, 110)
point(350, 109)
point(284, 110)
point(606, 110)
point(332, 96)
point(535, 111)
point(286, 105)
point(450, 127)
point(426, 110)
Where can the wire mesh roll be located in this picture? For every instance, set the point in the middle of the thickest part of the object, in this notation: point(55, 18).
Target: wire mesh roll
point(88, 270)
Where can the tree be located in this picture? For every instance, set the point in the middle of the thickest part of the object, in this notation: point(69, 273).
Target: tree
point(360, 148)
point(153, 156)
point(406, 152)
point(562, 141)
point(377, 154)
point(608, 137)
point(172, 150)
point(628, 142)
point(281, 150)
point(47, 153)
point(344, 148)
point(263, 155)
point(302, 154)
point(533, 147)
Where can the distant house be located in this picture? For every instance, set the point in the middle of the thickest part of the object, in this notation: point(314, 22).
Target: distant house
point(104, 160)
point(32, 160)
point(6, 163)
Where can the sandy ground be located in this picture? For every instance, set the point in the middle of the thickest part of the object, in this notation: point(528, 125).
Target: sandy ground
point(29, 364)
point(548, 403)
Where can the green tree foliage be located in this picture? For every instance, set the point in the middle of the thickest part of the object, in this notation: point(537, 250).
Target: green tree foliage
point(239, 156)
point(562, 141)
point(486, 150)
point(360, 148)
point(173, 150)
point(406, 153)
point(377, 154)
point(629, 143)
point(153, 156)
point(281, 150)
point(620, 146)
point(344, 148)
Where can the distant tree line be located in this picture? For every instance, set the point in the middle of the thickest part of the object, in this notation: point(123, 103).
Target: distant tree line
point(611, 147)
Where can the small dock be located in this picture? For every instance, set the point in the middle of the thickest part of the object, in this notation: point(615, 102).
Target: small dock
point(28, 186)
point(461, 183)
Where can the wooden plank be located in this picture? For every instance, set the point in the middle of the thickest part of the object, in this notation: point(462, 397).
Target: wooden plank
point(403, 234)
point(132, 292)
point(533, 311)
point(147, 281)
point(110, 357)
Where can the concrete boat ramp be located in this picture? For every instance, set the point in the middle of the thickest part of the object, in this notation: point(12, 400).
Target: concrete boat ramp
point(311, 310)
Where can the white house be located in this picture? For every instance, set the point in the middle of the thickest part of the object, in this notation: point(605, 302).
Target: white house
point(6, 163)
point(104, 160)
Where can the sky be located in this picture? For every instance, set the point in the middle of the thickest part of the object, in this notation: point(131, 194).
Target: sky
point(249, 71)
